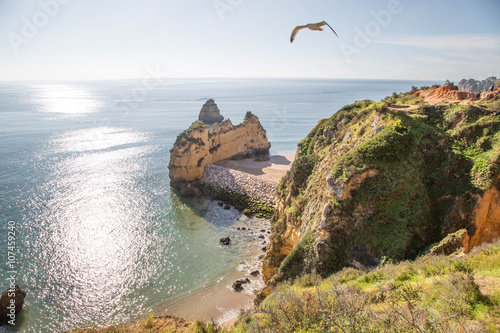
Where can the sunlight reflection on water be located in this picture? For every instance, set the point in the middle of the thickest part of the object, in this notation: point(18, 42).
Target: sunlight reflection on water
point(97, 138)
point(95, 239)
point(65, 99)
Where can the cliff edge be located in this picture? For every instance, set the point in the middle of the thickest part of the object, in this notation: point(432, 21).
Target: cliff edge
point(201, 145)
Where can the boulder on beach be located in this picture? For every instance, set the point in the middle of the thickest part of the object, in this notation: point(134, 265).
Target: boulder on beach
point(225, 241)
point(238, 284)
point(210, 113)
point(255, 273)
point(11, 302)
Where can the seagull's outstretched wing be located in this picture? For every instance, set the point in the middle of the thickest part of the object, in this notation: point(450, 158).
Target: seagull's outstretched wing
point(312, 26)
point(295, 31)
point(330, 28)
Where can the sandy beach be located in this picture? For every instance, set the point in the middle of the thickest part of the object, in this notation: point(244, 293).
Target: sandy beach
point(274, 169)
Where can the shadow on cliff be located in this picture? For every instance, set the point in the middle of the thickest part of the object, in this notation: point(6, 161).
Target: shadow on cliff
point(205, 208)
point(280, 160)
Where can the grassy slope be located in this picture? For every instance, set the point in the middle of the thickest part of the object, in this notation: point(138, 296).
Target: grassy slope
point(431, 294)
point(152, 324)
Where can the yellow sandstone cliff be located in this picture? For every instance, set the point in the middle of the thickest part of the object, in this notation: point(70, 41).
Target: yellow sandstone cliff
point(202, 144)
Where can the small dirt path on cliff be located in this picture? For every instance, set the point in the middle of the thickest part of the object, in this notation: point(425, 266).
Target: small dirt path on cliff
point(403, 106)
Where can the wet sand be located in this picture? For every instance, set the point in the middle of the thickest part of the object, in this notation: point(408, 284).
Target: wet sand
point(218, 302)
point(274, 169)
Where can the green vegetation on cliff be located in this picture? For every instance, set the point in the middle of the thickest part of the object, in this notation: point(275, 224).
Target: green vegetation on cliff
point(381, 182)
point(198, 124)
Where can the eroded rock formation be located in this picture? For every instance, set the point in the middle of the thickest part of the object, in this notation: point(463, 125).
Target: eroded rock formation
point(450, 93)
point(210, 113)
point(201, 145)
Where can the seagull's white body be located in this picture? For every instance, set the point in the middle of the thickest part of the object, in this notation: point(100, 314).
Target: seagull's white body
point(314, 26)
point(311, 26)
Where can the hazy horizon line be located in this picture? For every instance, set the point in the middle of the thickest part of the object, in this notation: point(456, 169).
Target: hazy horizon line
point(230, 78)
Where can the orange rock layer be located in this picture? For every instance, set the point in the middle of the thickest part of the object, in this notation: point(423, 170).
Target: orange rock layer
point(450, 93)
point(486, 218)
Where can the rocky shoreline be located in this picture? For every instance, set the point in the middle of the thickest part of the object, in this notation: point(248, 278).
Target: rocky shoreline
point(257, 188)
point(193, 173)
point(247, 193)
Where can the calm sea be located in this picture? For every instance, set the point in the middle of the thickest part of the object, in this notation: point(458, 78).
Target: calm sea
point(100, 235)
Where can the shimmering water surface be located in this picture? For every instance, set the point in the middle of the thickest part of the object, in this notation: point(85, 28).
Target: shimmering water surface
point(101, 237)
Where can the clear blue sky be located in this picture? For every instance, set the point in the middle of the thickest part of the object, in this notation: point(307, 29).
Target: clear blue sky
point(107, 39)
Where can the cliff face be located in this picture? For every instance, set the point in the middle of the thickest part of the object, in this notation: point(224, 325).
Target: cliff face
point(201, 144)
point(380, 181)
point(486, 217)
point(475, 86)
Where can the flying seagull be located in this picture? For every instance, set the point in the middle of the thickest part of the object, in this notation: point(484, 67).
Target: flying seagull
point(312, 26)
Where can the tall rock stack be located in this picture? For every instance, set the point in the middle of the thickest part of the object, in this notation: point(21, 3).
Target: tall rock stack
point(210, 113)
